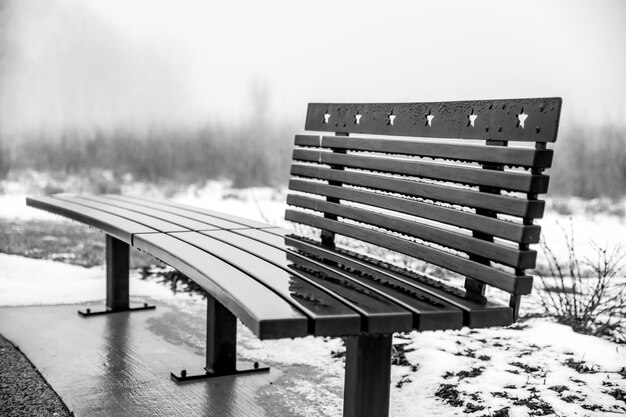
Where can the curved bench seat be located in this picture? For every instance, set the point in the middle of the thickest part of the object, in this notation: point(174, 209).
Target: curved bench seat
point(278, 285)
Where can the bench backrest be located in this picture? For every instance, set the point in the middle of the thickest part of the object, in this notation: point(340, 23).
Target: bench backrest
point(459, 197)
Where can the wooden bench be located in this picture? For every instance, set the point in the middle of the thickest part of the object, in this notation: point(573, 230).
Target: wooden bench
point(459, 199)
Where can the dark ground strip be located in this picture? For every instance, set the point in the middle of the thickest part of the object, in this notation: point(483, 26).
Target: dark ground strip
point(23, 391)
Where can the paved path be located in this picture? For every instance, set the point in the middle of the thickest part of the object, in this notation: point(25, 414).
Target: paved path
point(119, 364)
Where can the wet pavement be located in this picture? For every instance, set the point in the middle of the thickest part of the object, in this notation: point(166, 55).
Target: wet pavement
point(119, 364)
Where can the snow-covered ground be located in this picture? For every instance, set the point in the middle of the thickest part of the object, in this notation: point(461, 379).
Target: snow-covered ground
point(538, 365)
point(536, 368)
point(588, 228)
point(26, 281)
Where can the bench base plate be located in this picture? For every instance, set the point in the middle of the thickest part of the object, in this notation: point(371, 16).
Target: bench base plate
point(243, 367)
point(88, 312)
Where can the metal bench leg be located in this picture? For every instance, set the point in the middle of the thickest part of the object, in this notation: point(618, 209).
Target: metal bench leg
point(117, 265)
point(368, 375)
point(221, 338)
point(221, 346)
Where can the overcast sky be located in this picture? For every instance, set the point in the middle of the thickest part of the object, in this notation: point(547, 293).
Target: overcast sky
point(81, 64)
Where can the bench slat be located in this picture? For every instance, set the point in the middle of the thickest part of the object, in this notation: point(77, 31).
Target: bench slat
point(513, 181)
point(183, 222)
point(470, 198)
point(426, 315)
point(497, 119)
point(240, 221)
point(475, 314)
point(118, 227)
point(373, 321)
point(494, 251)
point(259, 308)
point(148, 221)
point(515, 232)
point(504, 155)
point(520, 285)
point(424, 318)
point(209, 221)
point(378, 314)
point(328, 317)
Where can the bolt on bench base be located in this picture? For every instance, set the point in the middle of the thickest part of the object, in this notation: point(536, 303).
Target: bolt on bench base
point(242, 368)
point(87, 312)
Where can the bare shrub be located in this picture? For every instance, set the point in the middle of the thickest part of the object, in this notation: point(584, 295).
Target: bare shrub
point(588, 294)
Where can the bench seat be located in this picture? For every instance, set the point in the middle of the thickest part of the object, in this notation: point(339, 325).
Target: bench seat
point(297, 286)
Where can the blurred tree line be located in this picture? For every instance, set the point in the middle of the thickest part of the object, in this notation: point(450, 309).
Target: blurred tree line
point(253, 152)
point(588, 163)
point(245, 155)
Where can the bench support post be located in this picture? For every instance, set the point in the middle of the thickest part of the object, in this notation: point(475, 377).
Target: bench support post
point(221, 338)
point(368, 375)
point(117, 266)
point(221, 346)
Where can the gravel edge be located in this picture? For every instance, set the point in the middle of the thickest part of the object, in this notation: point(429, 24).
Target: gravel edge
point(23, 390)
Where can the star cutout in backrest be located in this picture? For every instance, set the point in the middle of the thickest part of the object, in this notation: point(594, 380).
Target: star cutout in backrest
point(390, 118)
point(472, 118)
point(521, 118)
point(429, 118)
point(326, 118)
point(357, 119)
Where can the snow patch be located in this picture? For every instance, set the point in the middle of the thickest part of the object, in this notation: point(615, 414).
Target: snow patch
point(13, 207)
point(27, 281)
